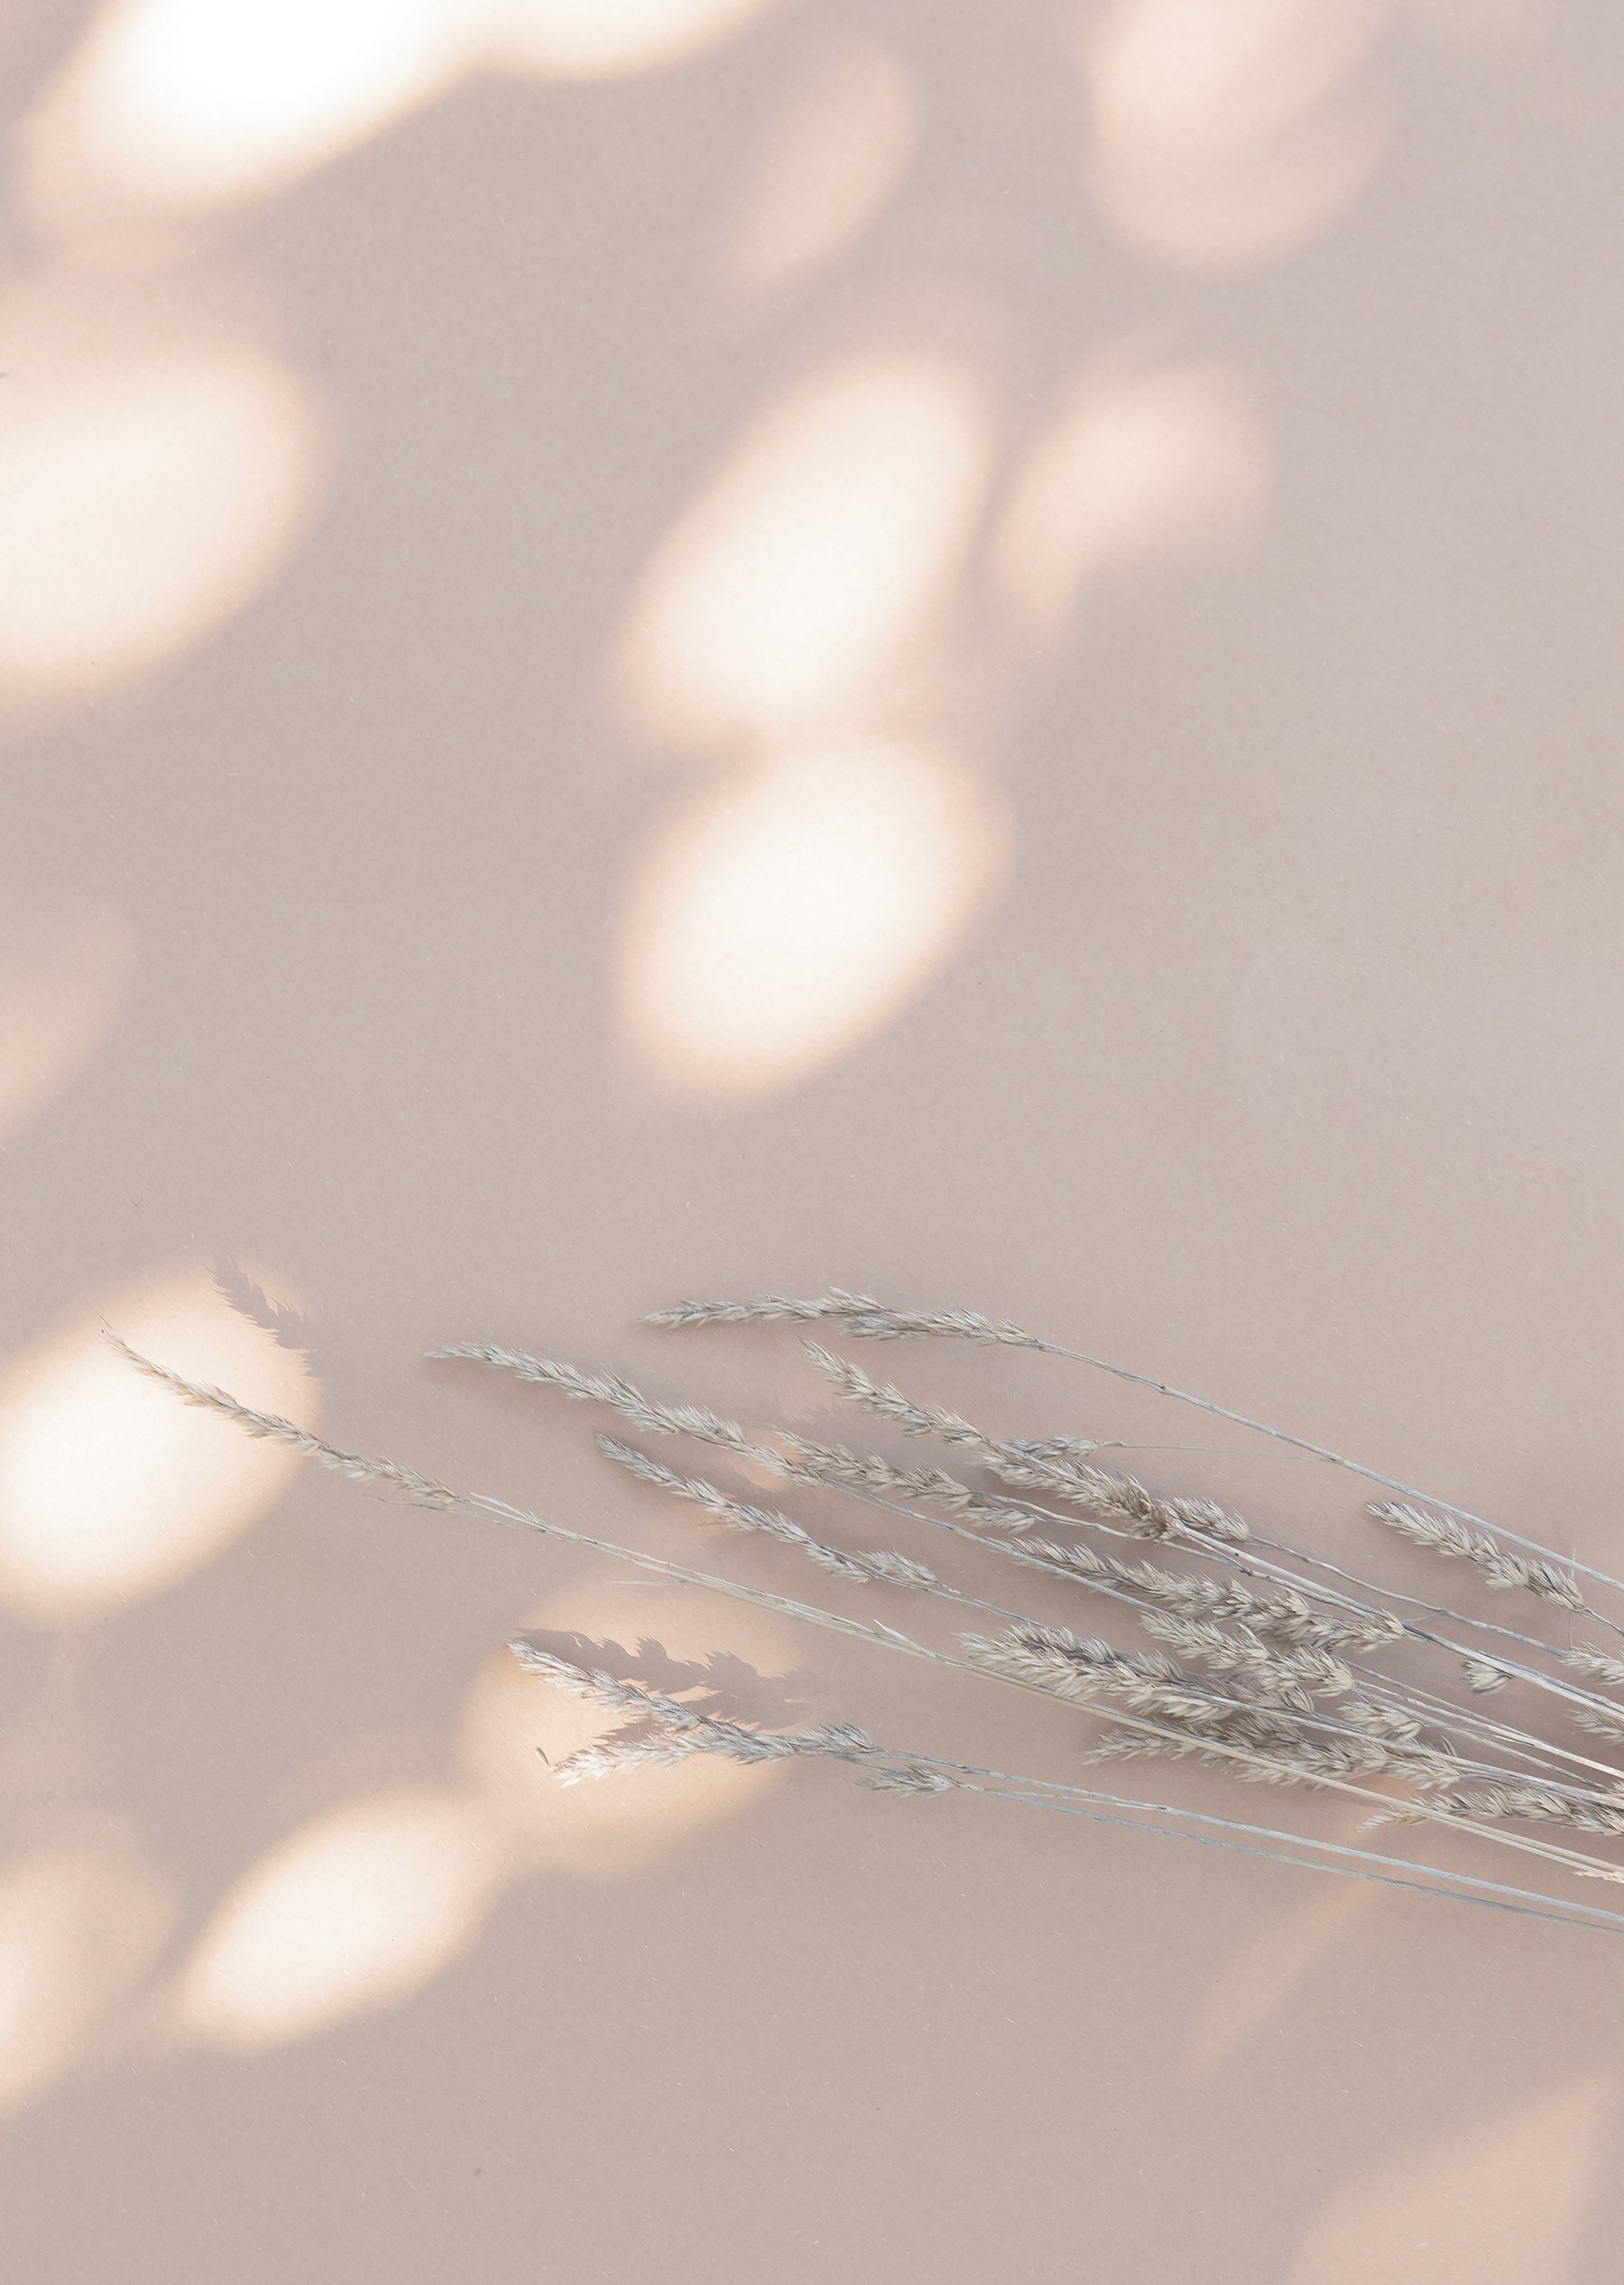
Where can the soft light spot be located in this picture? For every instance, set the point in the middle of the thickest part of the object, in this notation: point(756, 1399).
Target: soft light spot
point(814, 557)
point(1165, 466)
point(157, 468)
point(778, 922)
point(80, 1924)
point(606, 1828)
point(60, 986)
point(608, 39)
point(1501, 2204)
point(110, 1487)
point(186, 106)
point(825, 167)
point(1227, 132)
point(355, 1911)
point(1265, 1974)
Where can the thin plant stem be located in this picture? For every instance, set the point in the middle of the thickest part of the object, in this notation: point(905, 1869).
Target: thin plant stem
point(431, 1493)
point(902, 1324)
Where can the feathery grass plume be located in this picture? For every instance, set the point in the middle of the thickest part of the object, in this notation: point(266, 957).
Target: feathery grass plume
point(1498, 1565)
point(863, 1316)
point(1120, 1498)
point(1395, 1724)
point(1069, 1666)
point(1535, 1804)
point(582, 1385)
point(898, 1570)
point(900, 1773)
point(833, 1466)
point(1286, 1616)
point(886, 1564)
point(1058, 1447)
point(1481, 1677)
point(664, 1731)
point(887, 1403)
point(356, 1465)
point(607, 1389)
point(1596, 1664)
point(1296, 1762)
point(1225, 1652)
point(1271, 1637)
point(1283, 1617)
point(1278, 1747)
point(857, 1314)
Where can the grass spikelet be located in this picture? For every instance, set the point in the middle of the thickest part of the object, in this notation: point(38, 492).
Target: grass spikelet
point(1446, 1536)
point(271, 1426)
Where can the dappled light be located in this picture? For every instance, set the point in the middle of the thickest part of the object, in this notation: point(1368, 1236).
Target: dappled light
point(824, 164)
point(1224, 133)
point(778, 921)
point(813, 556)
point(1267, 1972)
point(687, 649)
point(61, 983)
point(609, 38)
point(80, 1924)
point(1169, 466)
point(607, 1827)
point(354, 1912)
point(158, 461)
point(186, 106)
point(109, 1489)
point(1501, 2204)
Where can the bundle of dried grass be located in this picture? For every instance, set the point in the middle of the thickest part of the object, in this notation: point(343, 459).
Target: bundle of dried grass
point(1269, 1665)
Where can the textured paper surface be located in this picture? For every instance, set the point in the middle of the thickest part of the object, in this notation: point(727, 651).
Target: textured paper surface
point(664, 649)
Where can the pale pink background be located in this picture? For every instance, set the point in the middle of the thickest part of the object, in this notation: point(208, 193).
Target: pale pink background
point(966, 650)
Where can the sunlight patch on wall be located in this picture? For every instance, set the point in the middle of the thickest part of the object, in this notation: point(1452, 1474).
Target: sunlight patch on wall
point(607, 1827)
point(60, 986)
point(80, 1924)
point(814, 554)
point(355, 1911)
point(825, 166)
point(1265, 1974)
point(158, 467)
point(1227, 132)
point(610, 38)
point(776, 922)
point(110, 1488)
point(182, 107)
point(1164, 467)
point(1501, 2204)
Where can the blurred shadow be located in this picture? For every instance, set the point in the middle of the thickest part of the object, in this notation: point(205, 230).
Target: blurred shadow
point(62, 980)
point(1501, 2204)
point(721, 1683)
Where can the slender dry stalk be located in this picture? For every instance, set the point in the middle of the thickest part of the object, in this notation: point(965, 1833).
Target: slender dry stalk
point(914, 1773)
point(864, 1318)
point(1272, 1640)
point(1031, 1466)
point(1246, 1743)
point(272, 1427)
point(1446, 1536)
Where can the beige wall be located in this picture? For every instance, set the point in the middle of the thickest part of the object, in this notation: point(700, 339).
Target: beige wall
point(653, 647)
